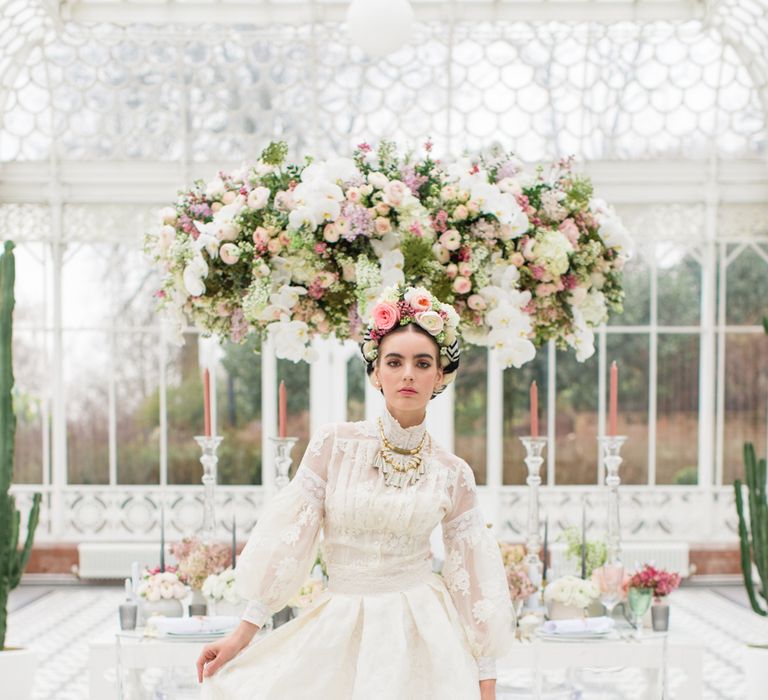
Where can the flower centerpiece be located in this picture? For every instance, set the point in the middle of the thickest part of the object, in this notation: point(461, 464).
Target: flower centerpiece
point(219, 590)
point(520, 585)
point(653, 583)
point(198, 560)
point(568, 597)
point(296, 250)
point(161, 593)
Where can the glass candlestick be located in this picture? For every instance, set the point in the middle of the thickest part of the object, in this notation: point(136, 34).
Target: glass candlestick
point(610, 447)
point(283, 461)
point(534, 446)
point(209, 444)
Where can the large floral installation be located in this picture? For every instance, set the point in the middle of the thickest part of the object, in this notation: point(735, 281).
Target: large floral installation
point(298, 250)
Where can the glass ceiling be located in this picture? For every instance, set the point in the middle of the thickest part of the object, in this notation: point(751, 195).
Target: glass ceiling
point(82, 80)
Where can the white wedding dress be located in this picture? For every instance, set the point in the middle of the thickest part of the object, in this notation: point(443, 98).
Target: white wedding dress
point(387, 628)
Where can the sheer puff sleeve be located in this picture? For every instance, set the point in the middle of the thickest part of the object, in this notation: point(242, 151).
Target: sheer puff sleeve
point(282, 547)
point(474, 574)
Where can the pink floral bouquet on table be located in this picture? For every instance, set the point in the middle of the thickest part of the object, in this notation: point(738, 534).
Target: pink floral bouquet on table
point(660, 581)
point(198, 560)
point(518, 581)
point(161, 585)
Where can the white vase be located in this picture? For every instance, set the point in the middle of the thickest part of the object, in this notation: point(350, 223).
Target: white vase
point(17, 669)
point(170, 607)
point(756, 671)
point(223, 607)
point(559, 611)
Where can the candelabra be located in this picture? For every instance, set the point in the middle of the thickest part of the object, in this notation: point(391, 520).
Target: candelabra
point(209, 444)
point(534, 446)
point(283, 461)
point(610, 447)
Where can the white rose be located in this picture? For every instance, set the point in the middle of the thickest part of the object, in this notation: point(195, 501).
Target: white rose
point(430, 321)
point(378, 180)
point(215, 188)
point(258, 198)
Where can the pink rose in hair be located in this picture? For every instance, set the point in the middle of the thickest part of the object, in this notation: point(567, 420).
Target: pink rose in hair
point(385, 315)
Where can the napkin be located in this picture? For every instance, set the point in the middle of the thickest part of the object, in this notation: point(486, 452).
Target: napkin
point(595, 625)
point(195, 625)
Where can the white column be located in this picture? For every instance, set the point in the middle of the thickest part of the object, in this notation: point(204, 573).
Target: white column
point(328, 383)
point(268, 414)
point(494, 456)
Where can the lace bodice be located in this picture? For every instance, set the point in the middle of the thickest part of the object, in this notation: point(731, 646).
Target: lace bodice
point(375, 538)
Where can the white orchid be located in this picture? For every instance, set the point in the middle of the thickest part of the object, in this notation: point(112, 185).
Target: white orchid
point(582, 339)
point(194, 274)
point(291, 340)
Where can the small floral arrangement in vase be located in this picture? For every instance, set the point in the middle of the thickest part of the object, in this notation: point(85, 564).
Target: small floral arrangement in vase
point(161, 593)
point(655, 583)
point(219, 590)
point(519, 582)
point(198, 560)
point(568, 597)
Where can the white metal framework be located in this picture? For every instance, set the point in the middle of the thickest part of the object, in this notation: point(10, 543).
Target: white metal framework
point(106, 108)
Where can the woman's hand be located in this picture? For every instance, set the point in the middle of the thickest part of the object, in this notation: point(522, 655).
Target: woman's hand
point(488, 689)
point(215, 655)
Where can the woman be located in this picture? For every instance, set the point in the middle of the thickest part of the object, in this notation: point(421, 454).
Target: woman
point(387, 628)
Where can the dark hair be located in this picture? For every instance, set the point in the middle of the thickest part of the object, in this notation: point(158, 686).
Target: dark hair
point(449, 370)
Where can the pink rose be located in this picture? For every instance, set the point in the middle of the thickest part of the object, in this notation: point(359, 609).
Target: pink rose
point(462, 285)
point(451, 271)
point(260, 236)
point(465, 269)
point(571, 231)
point(394, 192)
point(460, 213)
point(385, 315)
point(354, 195)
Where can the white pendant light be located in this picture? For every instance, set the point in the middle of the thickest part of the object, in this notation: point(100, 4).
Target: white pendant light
point(379, 27)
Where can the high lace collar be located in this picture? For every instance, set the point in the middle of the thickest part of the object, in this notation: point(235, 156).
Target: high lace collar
point(405, 438)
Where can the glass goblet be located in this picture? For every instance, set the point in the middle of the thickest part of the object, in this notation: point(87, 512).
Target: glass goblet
point(610, 580)
point(639, 602)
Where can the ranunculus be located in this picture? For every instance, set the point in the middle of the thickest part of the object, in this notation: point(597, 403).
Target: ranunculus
point(462, 285)
point(382, 225)
point(284, 201)
point(229, 253)
point(476, 302)
point(216, 206)
point(260, 236)
point(451, 239)
point(331, 233)
point(419, 298)
point(227, 232)
point(258, 198)
point(430, 321)
point(451, 271)
point(465, 269)
point(441, 253)
point(385, 315)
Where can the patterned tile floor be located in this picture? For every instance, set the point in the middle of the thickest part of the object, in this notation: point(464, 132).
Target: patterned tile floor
point(60, 621)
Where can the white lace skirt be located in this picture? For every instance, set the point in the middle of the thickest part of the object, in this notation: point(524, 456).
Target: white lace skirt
point(401, 645)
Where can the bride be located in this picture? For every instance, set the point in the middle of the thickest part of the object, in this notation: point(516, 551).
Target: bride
point(387, 627)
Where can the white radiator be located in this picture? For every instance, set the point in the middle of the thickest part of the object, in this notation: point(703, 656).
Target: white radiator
point(114, 559)
point(672, 556)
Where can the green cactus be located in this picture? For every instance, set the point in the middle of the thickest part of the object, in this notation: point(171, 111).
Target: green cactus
point(754, 541)
point(12, 559)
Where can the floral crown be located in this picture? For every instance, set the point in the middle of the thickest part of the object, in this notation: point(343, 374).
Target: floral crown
point(398, 306)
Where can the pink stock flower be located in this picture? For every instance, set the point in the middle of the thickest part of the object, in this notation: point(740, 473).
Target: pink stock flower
point(385, 315)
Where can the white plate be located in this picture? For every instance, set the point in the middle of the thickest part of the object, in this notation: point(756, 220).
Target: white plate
point(573, 636)
point(192, 637)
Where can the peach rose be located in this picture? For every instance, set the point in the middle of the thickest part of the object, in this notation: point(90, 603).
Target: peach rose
point(382, 209)
point(385, 315)
point(460, 213)
point(354, 195)
point(382, 225)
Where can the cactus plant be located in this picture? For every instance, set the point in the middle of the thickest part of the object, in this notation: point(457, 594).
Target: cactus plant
point(754, 540)
point(12, 559)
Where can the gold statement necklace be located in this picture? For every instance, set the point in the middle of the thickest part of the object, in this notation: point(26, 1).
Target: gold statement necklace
point(400, 466)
